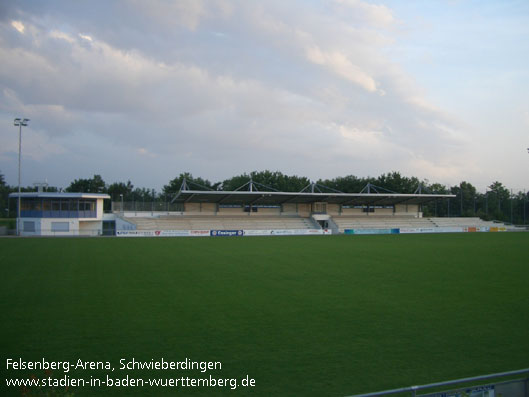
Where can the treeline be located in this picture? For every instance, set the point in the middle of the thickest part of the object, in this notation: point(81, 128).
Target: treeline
point(497, 203)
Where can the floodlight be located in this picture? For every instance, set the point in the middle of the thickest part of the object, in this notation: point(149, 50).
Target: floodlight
point(18, 122)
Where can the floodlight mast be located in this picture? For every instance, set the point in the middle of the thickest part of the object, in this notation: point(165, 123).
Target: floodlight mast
point(19, 123)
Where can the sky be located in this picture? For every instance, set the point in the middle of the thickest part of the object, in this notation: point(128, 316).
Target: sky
point(145, 90)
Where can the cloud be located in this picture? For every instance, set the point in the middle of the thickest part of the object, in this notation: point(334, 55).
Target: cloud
point(283, 87)
point(56, 34)
point(187, 13)
point(341, 65)
point(378, 15)
point(85, 37)
point(18, 26)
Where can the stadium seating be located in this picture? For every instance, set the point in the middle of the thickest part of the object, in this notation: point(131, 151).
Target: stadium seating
point(221, 222)
point(245, 222)
point(391, 222)
point(464, 222)
point(380, 222)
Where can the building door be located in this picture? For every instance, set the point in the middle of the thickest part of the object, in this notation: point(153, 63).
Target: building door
point(109, 228)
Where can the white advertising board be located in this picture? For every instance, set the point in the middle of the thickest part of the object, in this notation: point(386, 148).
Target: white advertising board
point(284, 232)
point(453, 229)
point(162, 233)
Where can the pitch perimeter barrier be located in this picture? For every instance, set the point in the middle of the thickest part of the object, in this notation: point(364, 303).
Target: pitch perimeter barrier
point(297, 232)
point(507, 388)
point(220, 233)
point(451, 229)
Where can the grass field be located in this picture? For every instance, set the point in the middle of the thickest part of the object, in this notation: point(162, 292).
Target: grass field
point(315, 315)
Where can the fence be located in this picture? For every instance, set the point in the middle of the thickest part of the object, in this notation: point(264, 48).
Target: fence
point(56, 233)
point(508, 388)
point(146, 206)
point(513, 210)
point(489, 206)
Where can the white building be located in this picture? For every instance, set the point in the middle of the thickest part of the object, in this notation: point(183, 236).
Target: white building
point(60, 214)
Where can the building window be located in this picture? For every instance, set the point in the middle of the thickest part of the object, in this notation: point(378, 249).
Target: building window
point(60, 227)
point(29, 226)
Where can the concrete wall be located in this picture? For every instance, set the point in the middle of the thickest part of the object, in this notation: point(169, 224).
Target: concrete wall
point(289, 209)
point(208, 208)
point(200, 208)
point(94, 228)
point(382, 212)
point(36, 223)
point(124, 225)
point(333, 209)
point(192, 207)
point(76, 226)
point(304, 210)
point(99, 208)
point(46, 227)
point(407, 209)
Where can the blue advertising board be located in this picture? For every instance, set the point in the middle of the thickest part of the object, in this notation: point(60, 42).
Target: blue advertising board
point(371, 231)
point(222, 233)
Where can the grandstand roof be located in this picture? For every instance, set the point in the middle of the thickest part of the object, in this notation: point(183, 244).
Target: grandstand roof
point(59, 195)
point(271, 198)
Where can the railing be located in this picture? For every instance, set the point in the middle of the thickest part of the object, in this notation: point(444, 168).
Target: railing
point(65, 233)
point(142, 206)
point(57, 214)
point(414, 389)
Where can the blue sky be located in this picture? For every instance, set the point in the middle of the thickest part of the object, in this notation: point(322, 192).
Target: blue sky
point(146, 90)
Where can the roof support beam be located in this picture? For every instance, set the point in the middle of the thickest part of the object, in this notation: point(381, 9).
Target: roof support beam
point(189, 198)
point(224, 198)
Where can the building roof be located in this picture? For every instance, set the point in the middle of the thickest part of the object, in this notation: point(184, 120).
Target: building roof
point(274, 198)
point(60, 195)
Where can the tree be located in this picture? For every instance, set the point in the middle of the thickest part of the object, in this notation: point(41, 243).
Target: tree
point(116, 189)
point(436, 207)
point(464, 200)
point(175, 184)
point(346, 184)
point(234, 182)
point(92, 185)
point(273, 179)
point(395, 182)
point(4, 197)
point(497, 201)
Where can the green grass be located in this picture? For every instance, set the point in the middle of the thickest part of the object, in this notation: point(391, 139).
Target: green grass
point(314, 315)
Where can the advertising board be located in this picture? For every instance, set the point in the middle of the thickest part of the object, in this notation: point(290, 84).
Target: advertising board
point(284, 232)
point(226, 233)
point(162, 233)
point(371, 231)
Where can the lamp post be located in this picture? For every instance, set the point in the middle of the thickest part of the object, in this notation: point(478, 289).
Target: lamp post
point(122, 210)
point(19, 123)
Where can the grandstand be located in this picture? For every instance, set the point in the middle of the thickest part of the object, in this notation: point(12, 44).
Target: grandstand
point(243, 212)
point(256, 212)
